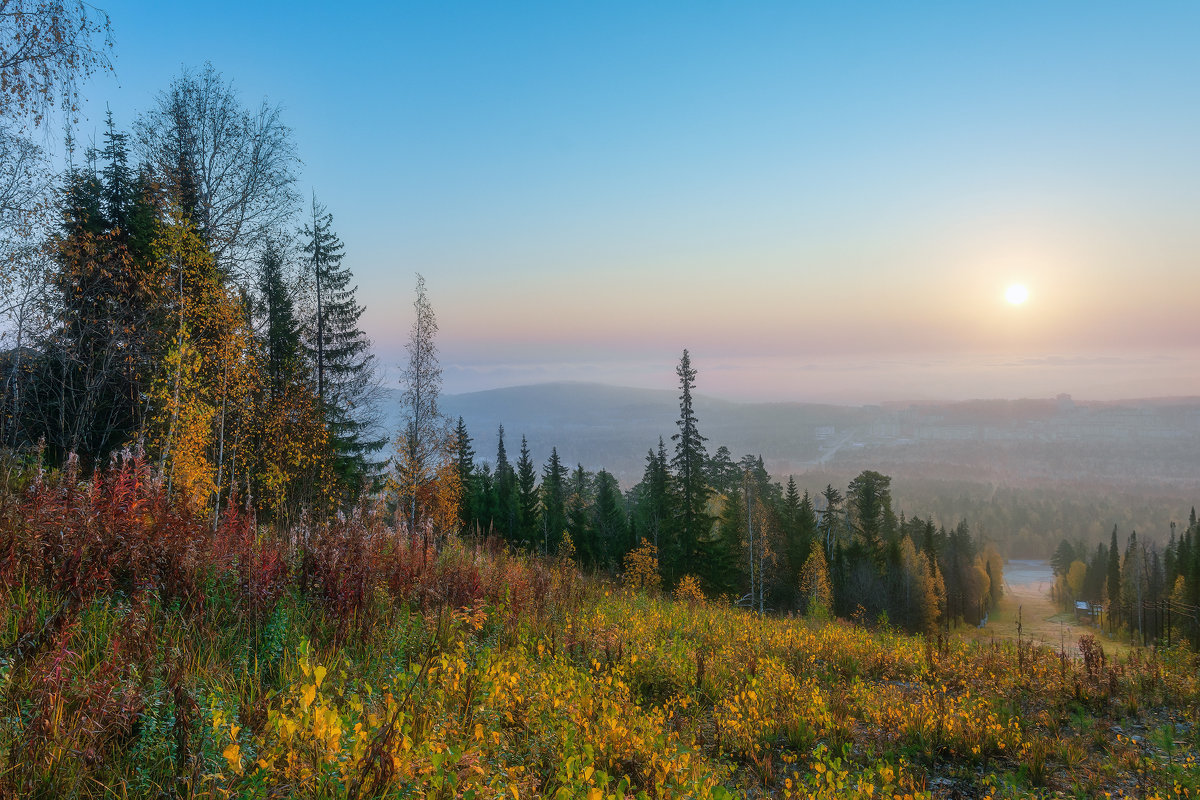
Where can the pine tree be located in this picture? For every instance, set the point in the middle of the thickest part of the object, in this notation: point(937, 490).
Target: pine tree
point(869, 499)
point(724, 476)
point(653, 508)
point(345, 368)
point(799, 528)
point(1133, 582)
point(689, 465)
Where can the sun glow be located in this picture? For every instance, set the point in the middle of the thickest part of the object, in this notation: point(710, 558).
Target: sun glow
point(1016, 294)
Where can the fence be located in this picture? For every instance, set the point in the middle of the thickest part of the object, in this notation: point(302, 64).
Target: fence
point(1163, 622)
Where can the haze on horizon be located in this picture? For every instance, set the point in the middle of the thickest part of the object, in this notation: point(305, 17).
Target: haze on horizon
point(821, 203)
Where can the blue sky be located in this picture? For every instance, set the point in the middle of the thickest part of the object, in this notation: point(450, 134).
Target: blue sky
point(820, 201)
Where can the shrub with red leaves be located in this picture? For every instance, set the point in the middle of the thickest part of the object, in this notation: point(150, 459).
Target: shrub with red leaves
point(114, 532)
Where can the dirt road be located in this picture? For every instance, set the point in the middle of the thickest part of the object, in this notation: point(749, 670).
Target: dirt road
point(1027, 597)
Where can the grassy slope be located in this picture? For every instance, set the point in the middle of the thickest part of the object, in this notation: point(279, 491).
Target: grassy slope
point(239, 669)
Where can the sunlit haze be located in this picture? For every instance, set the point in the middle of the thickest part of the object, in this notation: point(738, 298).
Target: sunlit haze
point(821, 203)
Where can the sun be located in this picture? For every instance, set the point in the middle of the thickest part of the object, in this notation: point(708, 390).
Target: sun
point(1016, 294)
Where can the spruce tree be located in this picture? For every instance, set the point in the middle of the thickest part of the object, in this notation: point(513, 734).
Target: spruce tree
point(507, 502)
point(1114, 579)
point(281, 331)
point(465, 457)
point(340, 351)
point(610, 526)
point(105, 303)
point(653, 507)
point(724, 571)
point(579, 508)
point(554, 501)
point(527, 497)
point(831, 518)
point(689, 464)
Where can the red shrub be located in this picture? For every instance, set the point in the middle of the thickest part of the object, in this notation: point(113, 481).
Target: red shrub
point(115, 532)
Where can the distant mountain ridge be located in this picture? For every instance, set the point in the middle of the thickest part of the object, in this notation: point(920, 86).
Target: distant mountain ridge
point(613, 427)
point(600, 425)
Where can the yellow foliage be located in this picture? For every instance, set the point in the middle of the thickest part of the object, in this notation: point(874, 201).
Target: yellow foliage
point(814, 583)
point(641, 568)
point(428, 478)
point(688, 590)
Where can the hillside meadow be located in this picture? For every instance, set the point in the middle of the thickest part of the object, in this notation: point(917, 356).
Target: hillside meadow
point(144, 653)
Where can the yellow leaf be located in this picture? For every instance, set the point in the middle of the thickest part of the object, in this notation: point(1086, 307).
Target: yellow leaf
point(307, 695)
point(233, 754)
point(319, 674)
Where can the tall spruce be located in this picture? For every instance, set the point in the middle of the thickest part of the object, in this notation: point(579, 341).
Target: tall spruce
point(281, 330)
point(527, 497)
point(465, 456)
point(343, 364)
point(690, 474)
point(507, 503)
point(1113, 582)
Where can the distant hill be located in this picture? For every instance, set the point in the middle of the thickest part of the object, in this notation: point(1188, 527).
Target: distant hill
point(1152, 443)
point(613, 426)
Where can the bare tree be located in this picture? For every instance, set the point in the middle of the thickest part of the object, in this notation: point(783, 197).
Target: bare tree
point(422, 442)
point(46, 48)
point(24, 202)
point(233, 168)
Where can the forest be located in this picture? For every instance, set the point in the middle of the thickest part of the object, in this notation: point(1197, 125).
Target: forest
point(219, 577)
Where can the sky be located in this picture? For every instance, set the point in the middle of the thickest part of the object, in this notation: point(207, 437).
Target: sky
point(821, 201)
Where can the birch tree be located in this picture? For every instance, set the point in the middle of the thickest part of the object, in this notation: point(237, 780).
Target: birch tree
point(426, 439)
point(235, 165)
